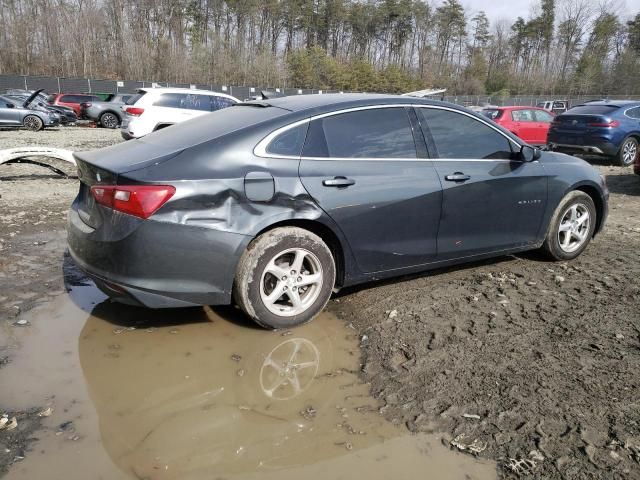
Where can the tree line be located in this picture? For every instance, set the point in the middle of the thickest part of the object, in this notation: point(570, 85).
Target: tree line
point(559, 47)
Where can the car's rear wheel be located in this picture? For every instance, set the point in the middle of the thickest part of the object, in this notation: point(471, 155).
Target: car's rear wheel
point(628, 153)
point(571, 227)
point(284, 278)
point(33, 123)
point(109, 120)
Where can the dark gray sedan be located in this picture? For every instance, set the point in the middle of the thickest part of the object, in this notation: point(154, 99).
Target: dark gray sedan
point(276, 203)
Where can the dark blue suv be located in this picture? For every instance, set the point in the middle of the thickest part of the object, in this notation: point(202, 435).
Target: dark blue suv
point(609, 128)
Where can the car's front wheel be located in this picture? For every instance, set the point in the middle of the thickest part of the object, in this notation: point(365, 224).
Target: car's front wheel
point(109, 120)
point(628, 153)
point(284, 278)
point(571, 227)
point(33, 123)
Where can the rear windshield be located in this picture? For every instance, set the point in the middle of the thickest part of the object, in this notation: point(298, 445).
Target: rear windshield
point(593, 109)
point(212, 125)
point(492, 113)
point(134, 98)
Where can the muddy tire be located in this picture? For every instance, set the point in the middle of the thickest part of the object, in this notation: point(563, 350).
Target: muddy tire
point(109, 120)
point(284, 278)
point(628, 152)
point(571, 227)
point(33, 123)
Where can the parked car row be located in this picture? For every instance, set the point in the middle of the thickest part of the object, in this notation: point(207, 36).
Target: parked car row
point(605, 128)
point(146, 111)
point(28, 113)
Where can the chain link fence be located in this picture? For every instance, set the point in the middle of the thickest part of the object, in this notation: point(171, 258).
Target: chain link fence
point(86, 85)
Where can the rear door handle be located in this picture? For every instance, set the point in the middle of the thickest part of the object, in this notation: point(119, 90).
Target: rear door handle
point(457, 177)
point(338, 182)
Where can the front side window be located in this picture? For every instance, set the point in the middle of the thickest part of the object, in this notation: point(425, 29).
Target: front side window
point(289, 142)
point(218, 103)
point(459, 136)
point(542, 116)
point(370, 133)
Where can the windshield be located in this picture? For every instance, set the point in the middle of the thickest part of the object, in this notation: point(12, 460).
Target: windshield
point(492, 113)
point(134, 98)
point(593, 109)
point(6, 100)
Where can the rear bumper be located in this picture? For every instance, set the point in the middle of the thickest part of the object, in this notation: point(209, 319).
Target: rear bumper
point(157, 264)
point(591, 148)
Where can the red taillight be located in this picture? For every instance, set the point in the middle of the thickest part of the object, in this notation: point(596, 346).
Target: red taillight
point(135, 111)
point(611, 124)
point(138, 200)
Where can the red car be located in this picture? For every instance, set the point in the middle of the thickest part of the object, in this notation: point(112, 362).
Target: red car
point(73, 100)
point(531, 124)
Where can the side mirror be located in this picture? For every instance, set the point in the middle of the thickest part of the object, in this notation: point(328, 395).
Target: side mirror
point(529, 153)
point(10, 105)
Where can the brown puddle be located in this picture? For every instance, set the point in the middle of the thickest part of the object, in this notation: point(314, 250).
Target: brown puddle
point(201, 394)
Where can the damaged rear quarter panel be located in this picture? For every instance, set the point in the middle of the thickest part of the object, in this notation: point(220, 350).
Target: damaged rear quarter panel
point(210, 192)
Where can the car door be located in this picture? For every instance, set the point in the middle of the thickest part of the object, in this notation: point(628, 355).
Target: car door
point(524, 123)
point(10, 114)
point(543, 122)
point(491, 200)
point(362, 168)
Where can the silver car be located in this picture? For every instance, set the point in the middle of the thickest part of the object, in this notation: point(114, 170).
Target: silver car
point(107, 114)
point(14, 113)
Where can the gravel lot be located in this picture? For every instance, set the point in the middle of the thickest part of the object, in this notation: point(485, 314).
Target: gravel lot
point(531, 360)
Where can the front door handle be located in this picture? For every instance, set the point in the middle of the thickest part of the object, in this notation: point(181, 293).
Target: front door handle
point(457, 177)
point(338, 182)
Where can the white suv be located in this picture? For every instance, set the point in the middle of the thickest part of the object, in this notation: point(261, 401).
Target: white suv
point(154, 108)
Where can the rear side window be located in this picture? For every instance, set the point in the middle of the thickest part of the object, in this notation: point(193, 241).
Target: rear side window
point(372, 133)
point(593, 110)
point(492, 113)
point(458, 136)
point(170, 100)
point(290, 142)
point(633, 113)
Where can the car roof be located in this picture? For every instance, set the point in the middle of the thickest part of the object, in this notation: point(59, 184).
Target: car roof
point(327, 102)
point(515, 107)
point(611, 103)
point(184, 90)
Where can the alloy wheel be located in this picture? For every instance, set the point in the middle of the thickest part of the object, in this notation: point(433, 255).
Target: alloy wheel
point(291, 282)
point(32, 123)
point(629, 152)
point(574, 227)
point(109, 120)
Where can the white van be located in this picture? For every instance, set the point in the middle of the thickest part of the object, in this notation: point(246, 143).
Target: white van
point(154, 108)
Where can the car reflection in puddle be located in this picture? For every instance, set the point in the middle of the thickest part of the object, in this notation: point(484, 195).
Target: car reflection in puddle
point(201, 394)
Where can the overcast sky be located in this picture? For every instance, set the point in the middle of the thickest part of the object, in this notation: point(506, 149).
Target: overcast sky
point(512, 9)
point(497, 9)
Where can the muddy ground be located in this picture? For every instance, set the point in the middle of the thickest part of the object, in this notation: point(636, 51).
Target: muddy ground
point(528, 363)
